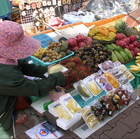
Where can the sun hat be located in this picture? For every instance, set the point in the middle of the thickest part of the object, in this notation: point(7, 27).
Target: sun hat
point(13, 43)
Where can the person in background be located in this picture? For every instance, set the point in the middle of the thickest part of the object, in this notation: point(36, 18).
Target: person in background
point(5, 9)
point(14, 45)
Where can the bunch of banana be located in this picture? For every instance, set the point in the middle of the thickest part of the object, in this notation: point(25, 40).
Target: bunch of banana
point(137, 59)
point(135, 68)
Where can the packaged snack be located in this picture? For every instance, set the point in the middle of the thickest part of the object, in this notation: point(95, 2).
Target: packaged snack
point(92, 86)
point(127, 74)
point(116, 71)
point(60, 110)
point(70, 103)
point(99, 111)
point(107, 104)
point(106, 66)
point(122, 68)
point(56, 68)
point(123, 79)
point(112, 80)
point(82, 90)
point(117, 63)
point(89, 117)
point(128, 87)
point(104, 84)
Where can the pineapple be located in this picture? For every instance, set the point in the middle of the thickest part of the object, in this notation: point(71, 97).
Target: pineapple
point(123, 28)
point(130, 31)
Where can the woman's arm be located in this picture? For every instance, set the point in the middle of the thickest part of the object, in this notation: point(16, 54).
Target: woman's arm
point(24, 87)
point(32, 69)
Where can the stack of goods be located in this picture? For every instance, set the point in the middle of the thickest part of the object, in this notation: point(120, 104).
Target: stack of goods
point(126, 40)
point(105, 106)
point(111, 77)
point(103, 33)
point(80, 41)
point(93, 55)
point(119, 54)
point(128, 37)
point(131, 43)
point(53, 52)
point(65, 107)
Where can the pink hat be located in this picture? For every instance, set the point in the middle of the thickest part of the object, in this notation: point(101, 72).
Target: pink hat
point(13, 43)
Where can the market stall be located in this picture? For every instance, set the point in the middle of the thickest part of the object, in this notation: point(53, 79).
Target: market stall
point(100, 84)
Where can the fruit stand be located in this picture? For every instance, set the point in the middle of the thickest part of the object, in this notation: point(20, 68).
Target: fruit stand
point(101, 82)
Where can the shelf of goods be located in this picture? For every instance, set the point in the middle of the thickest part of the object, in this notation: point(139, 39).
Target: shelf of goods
point(99, 73)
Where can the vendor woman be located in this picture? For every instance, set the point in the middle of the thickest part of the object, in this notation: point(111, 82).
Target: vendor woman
point(14, 45)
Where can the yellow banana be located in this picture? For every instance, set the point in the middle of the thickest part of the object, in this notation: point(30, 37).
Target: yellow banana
point(138, 64)
point(135, 69)
point(137, 57)
point(137, 61)
point(133, 66)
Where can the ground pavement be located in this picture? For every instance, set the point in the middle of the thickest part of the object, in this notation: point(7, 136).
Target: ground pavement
point(125, 126)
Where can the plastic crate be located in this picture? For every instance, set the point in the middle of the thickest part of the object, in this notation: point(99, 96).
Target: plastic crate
point(44, 39)
point(40, 62)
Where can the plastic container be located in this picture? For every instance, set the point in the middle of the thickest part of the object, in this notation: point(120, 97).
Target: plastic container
point(127, 73)
point(40, 62)
point(117, 63)
point(89, 117)
point(57, 68)
point(106, 66)
point(92, 85)
point(70, 103)
point(65, 125)
point(44, 39)
point(112, 80)
point(85, 93)
point(104, 84)
point(59, 110)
